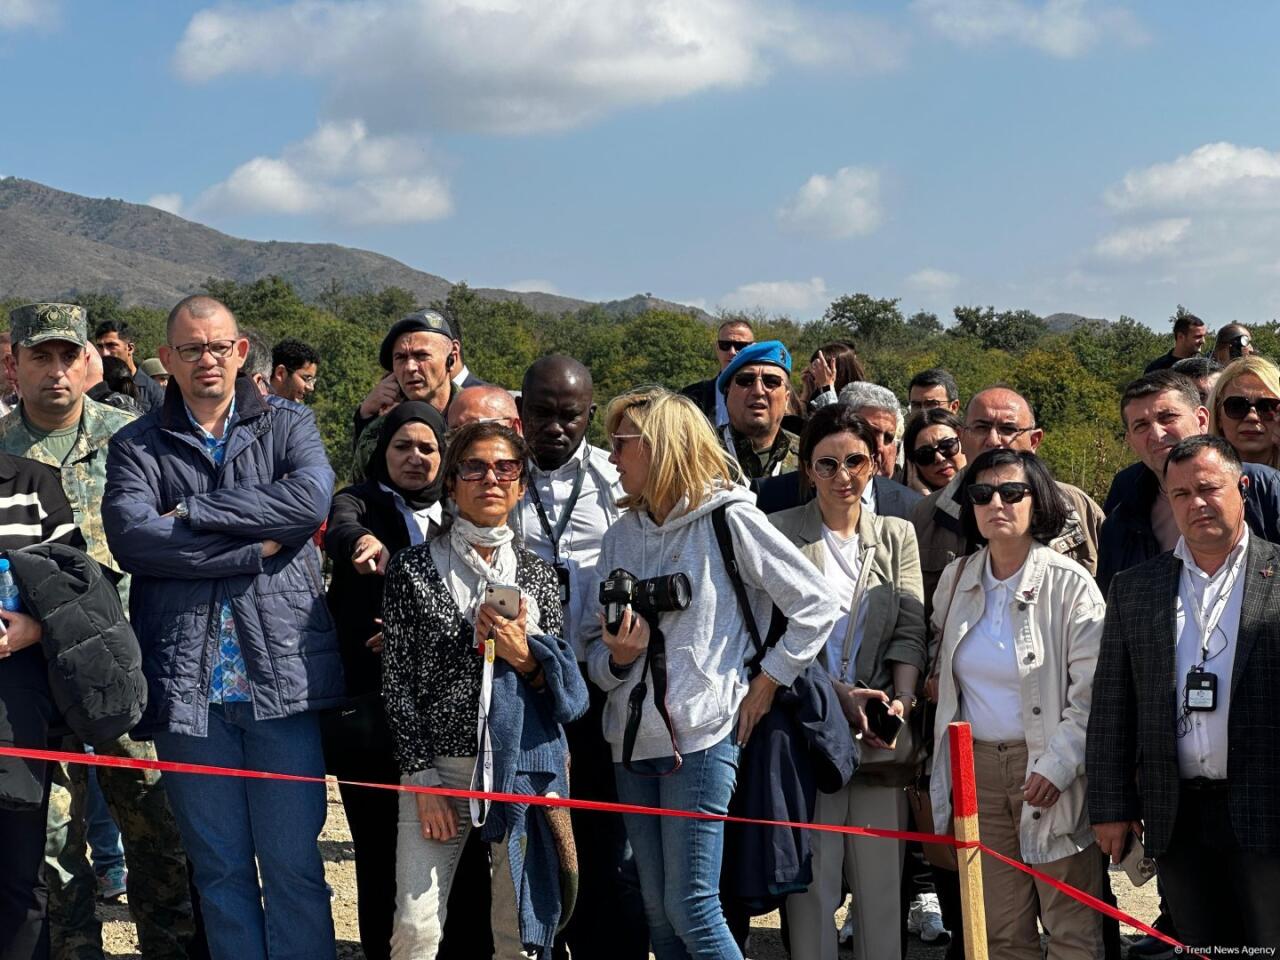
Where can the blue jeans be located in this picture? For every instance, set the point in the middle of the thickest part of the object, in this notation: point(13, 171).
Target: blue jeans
point(227, 822)
point(679, 859)
point(100, 830)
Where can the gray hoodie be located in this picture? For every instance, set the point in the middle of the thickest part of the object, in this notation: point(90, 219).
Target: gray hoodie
point(708, 645)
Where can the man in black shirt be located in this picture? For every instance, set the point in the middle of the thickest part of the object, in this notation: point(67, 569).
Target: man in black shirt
point(1188, 337)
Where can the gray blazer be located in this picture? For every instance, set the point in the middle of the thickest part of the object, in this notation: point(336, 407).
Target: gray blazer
point(894, 629)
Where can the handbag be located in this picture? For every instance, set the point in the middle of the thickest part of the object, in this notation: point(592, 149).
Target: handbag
point(938, 854)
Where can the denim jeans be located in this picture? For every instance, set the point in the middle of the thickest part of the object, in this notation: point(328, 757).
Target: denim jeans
point(679, 859)
point(100, 830)
point(227, 822)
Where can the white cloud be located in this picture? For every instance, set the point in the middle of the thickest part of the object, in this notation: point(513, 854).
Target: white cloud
point(1143, 242)
point(930, 281)
point(168, 202)
point(519, 67)
point(846, 204)
point(532, 286)
point(1211, 177)
point(19, 14)
point(780, 296)
point(1061, 28)
point(340, 172)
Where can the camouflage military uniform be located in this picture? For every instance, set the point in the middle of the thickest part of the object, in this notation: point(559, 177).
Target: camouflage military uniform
point(782, 457)
point(158, 893)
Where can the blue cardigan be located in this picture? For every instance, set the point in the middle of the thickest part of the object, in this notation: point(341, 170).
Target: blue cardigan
point(531, 757)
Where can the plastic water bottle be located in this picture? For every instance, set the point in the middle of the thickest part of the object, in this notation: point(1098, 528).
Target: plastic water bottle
point(9, 598)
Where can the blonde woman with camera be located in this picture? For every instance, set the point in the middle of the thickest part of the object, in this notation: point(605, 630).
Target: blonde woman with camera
point(689, 636)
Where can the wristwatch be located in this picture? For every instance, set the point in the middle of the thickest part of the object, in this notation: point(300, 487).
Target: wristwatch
point(181, 511)
point(908, 700)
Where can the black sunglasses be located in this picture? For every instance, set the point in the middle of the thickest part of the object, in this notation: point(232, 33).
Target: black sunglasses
point(854, 463)
point(746, 380)
point(1010, 492)
point(1237, 408)
point(734, 345)
point(924, 456)
point(504, 471)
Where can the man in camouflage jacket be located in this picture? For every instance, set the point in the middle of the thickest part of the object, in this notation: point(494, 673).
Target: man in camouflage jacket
point(56, 424)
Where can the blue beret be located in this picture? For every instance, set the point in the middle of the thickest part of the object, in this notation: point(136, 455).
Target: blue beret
point(767, 351)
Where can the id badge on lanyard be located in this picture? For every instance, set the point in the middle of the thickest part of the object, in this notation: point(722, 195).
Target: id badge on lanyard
point(1202, 684)
point(482, 773)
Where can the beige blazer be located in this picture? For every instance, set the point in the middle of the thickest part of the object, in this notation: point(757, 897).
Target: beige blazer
point(894, 629)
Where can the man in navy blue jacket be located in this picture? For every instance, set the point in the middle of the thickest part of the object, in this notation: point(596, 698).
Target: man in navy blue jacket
point(211, 503)
point(1158, 410)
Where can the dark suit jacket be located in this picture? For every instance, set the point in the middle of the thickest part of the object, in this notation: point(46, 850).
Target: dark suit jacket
point(1132, 759)
point(703, 393)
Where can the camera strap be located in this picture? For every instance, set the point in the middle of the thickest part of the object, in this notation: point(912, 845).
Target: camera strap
point(777, 624)
point(655, 661)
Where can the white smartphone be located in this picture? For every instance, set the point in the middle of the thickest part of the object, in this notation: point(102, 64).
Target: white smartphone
point(503, 597)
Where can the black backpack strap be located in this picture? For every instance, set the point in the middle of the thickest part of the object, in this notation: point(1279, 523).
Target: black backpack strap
point(778, 620)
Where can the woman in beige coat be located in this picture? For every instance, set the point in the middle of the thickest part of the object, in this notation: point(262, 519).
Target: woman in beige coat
point(876, 651)
point(1020, 625)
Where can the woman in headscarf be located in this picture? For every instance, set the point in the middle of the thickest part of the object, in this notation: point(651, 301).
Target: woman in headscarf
point(478, 683)
point(397, 506)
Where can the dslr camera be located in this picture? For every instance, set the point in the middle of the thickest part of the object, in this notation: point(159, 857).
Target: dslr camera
point(647, 597)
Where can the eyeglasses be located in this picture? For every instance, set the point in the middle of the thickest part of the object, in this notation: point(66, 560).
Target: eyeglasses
point(854, 464)
point(770, 381)
point(504, 471)
point(933, 404)
point(1237, 408)
point(1008, 432)
point(732, 346)
point(218, 349)
point(924, 456)
point(619, 440)
point(1010, 492)
point(309, 379)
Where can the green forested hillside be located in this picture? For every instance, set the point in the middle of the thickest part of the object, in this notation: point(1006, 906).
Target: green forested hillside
point(1072, 377)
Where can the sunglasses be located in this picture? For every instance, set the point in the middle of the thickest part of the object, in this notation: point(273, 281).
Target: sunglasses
point(771, 381)
point(1237, 408)
point(1011, 492)
point(733, 346)
point(619, 440)
point(218, 349)
point(854, 463)
point(924, 456)
point(505, 471)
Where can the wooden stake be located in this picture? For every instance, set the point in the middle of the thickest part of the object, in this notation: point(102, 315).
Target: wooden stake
point(964, 804)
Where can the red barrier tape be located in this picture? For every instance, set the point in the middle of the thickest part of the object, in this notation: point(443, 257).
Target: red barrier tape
point(138, 763)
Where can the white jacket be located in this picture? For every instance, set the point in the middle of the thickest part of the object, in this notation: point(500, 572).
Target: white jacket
point(1057, 622)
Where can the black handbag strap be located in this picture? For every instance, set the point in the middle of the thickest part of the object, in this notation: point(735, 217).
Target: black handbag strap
point(778, 623)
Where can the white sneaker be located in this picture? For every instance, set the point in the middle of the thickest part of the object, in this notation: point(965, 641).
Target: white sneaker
point(925, 918)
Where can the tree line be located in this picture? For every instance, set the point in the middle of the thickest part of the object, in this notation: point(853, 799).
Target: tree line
point(1073, 379)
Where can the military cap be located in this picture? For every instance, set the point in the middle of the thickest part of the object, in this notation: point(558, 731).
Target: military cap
point(422, 321)
point(37, 322)
point(152, 367)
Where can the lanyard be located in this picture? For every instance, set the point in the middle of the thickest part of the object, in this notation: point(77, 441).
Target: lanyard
point(563, 523)
point(1207, 624)
point(482, 773)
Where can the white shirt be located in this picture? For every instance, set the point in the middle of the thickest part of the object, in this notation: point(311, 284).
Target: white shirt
point(460, 378)
point(416, 522)
point(1202, 752)
point(842, 569)
point(579, 546)
point(986, 666)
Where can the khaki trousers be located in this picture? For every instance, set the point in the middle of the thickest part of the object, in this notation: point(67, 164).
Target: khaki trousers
point(424, 873)
point(1014, 900)
point(872, 868)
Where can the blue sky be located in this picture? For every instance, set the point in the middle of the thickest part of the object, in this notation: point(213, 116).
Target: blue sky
point(1100, 158)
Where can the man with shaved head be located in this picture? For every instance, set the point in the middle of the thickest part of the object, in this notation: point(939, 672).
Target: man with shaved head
point(211, 502)
point(996, 417)
point(568, 505)
point(487, 403)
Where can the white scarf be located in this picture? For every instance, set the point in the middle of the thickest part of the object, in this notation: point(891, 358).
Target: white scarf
point(466, 574)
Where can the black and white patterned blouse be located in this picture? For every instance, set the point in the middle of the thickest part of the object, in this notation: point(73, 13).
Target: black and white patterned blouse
point(430, 667)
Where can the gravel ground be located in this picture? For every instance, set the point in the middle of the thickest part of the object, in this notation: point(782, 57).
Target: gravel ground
point(121, 941)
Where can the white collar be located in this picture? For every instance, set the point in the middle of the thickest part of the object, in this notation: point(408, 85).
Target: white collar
point(989, 581)
point(434, 511)
point(1183, 553)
